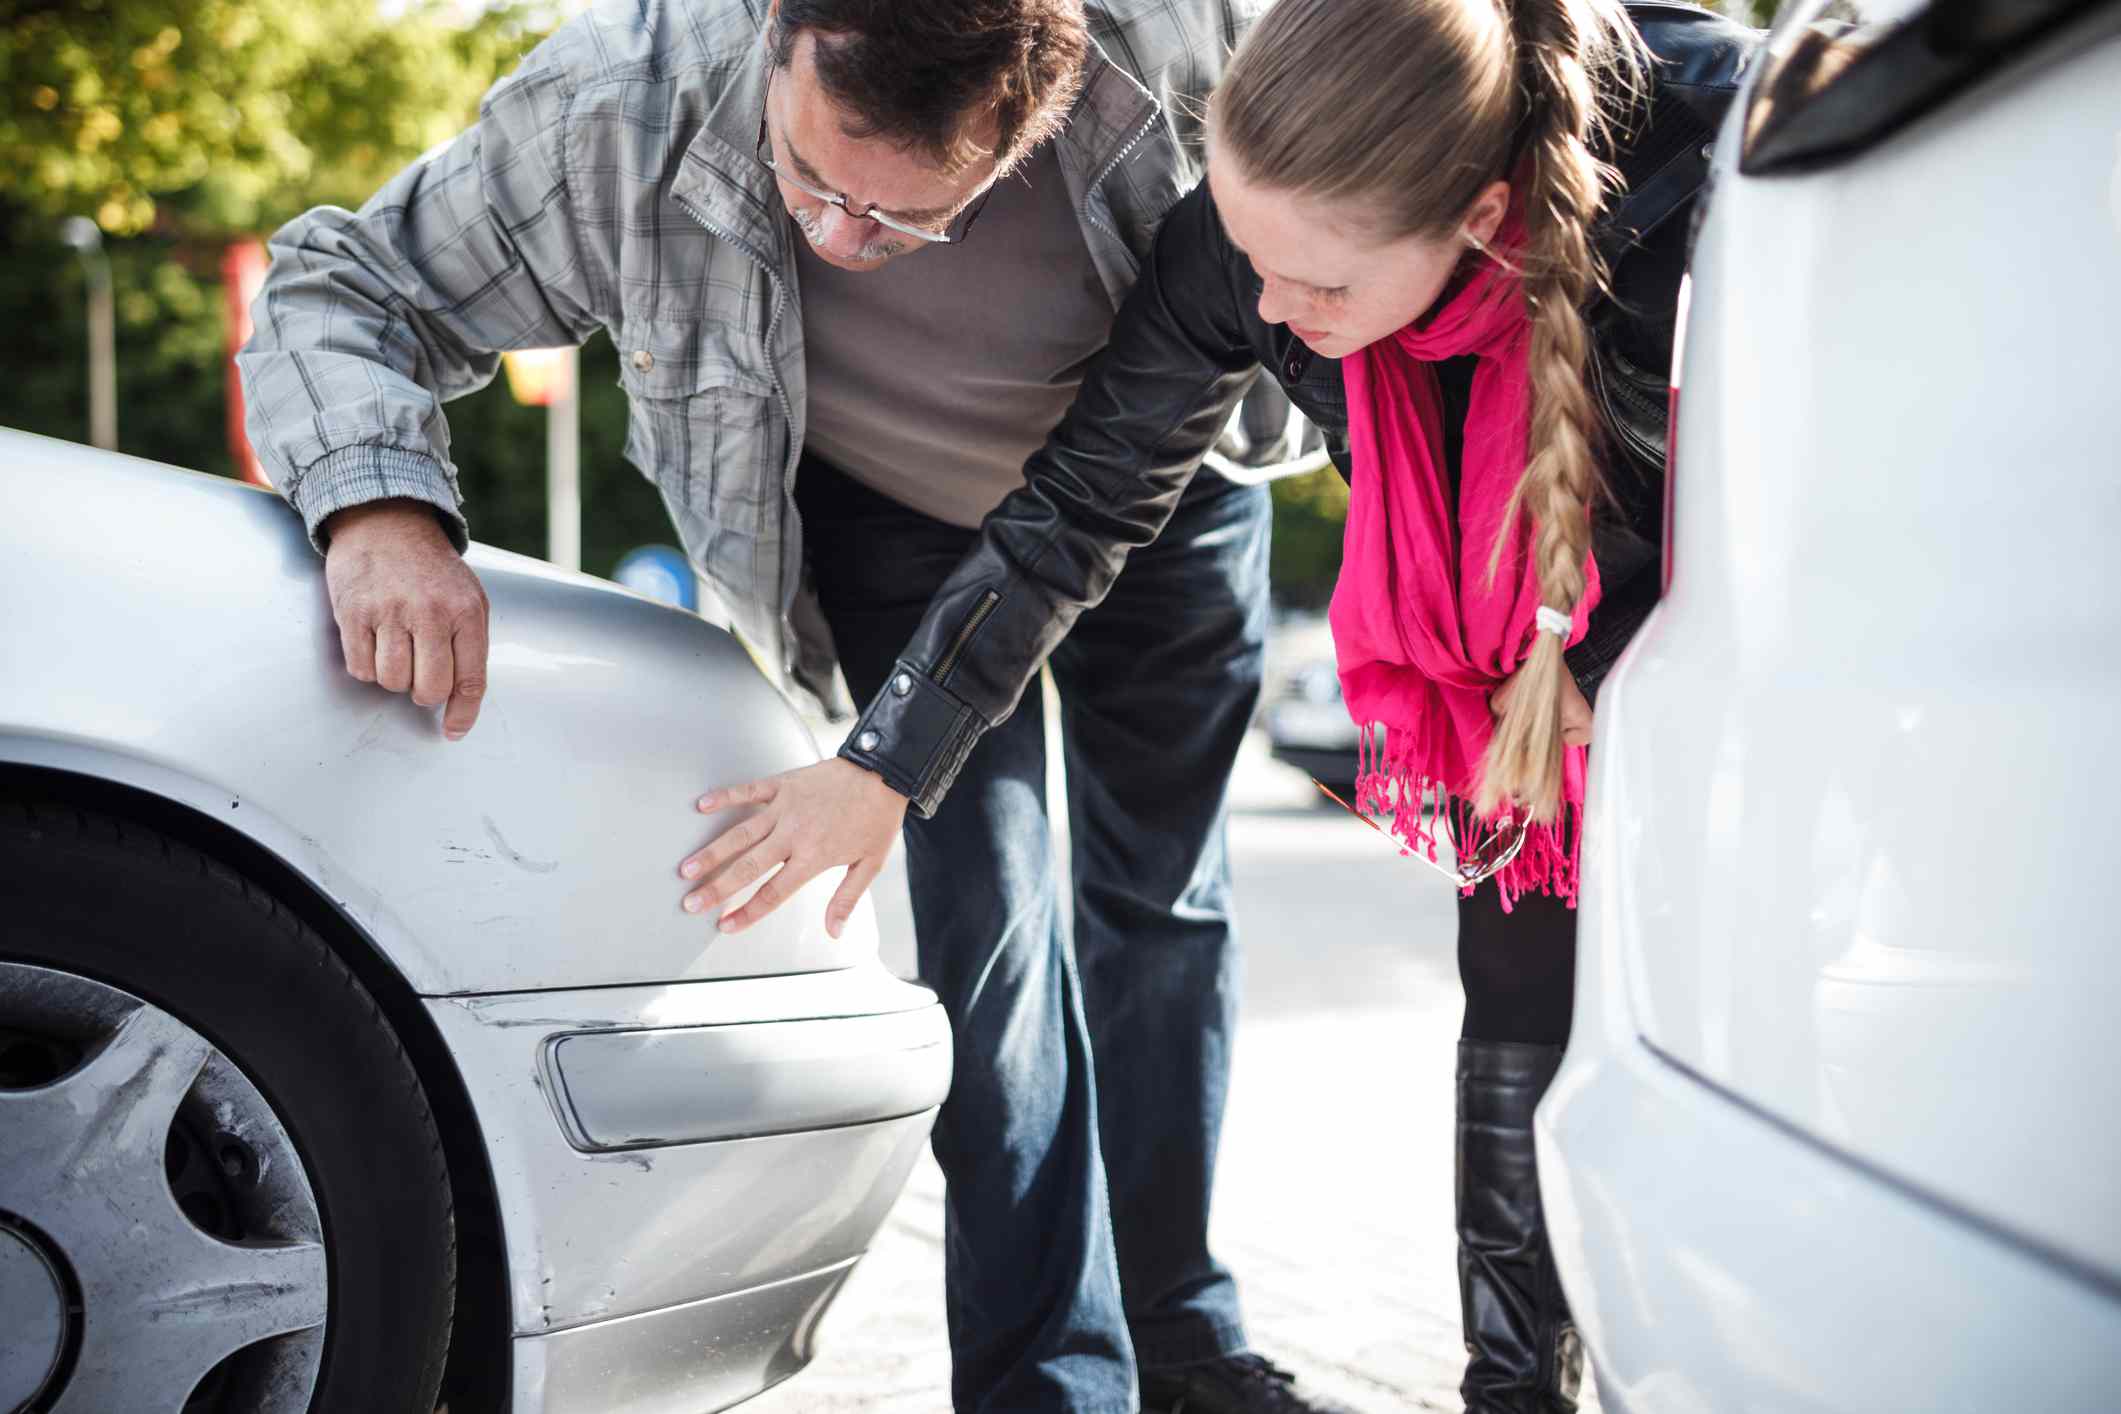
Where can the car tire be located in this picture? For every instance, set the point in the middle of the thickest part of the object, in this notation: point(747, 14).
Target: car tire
point(113, 908)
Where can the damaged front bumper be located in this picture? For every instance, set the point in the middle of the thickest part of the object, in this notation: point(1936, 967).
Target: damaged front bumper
point(687, 1173)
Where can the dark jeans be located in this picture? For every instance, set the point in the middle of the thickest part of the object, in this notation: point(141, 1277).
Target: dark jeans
point(1157, 685)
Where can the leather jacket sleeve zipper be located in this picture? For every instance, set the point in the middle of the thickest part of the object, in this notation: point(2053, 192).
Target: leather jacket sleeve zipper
point(1126, 149)
point(973, 620)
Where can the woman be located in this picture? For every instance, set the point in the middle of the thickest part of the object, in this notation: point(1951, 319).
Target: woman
point(1449, 271)
point(1403, 222)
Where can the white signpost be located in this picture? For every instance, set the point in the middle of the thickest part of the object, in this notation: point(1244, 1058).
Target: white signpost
point(549, 378)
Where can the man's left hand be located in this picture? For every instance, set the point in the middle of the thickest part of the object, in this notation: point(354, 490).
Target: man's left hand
point(809, 820)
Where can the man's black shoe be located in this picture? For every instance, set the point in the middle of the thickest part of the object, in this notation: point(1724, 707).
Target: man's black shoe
point(1234, 1384)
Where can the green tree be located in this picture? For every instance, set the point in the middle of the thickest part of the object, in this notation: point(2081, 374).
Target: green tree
point(224, 116)
point(181, 124)
point(1753, 12)
point(1310, 515)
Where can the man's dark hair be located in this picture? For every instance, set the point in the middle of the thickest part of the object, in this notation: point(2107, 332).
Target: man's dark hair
point(921, 72)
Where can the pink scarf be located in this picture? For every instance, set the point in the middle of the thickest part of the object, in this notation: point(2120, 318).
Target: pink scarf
point(1421, 639)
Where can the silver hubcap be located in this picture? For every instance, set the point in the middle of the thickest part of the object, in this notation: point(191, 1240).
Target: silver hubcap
point(33, 1312)
point(229, 1280)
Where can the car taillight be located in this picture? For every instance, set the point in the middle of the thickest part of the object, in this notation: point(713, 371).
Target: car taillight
point(1671, 425)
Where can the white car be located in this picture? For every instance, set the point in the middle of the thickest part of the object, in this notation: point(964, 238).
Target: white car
point(1306, 722)
point(341, 1065)
point(1839, 1128)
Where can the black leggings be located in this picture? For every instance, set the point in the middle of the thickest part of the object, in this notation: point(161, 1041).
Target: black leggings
point(1518, 968)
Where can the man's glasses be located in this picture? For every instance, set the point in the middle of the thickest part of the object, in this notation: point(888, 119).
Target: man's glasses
point(949, 234)
point(1469, 866)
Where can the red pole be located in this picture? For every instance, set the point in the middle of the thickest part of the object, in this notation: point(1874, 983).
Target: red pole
point(242, 274)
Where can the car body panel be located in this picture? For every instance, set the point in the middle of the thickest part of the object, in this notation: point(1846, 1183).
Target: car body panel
point(1852, 782)
point(687, 1359)
point(750, 1107)
point(1715, 1263)
point(662, 1085)
point(594, 1235)
point(194, 655)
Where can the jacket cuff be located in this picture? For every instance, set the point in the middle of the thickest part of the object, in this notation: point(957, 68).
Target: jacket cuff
point(354, 476)
point(915, 735)
point(1614, 624)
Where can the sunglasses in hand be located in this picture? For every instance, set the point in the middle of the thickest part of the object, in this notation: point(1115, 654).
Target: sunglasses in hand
point(1486, 859)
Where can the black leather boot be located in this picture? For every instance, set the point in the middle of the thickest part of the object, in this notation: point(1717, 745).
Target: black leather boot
point(1523, 1354)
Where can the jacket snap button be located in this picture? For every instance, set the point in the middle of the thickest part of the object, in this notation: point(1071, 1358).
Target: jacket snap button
point(1295, 367)
point(902, 685)
point(868, 741)
point(643, 360)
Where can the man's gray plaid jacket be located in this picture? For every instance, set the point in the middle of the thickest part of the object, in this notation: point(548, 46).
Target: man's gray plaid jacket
point(612, 183)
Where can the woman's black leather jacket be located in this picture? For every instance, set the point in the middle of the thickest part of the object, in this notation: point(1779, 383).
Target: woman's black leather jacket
point(1185, 347)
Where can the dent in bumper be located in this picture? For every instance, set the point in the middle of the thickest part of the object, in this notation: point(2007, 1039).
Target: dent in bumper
point(593, 1235)
point(680, 1360)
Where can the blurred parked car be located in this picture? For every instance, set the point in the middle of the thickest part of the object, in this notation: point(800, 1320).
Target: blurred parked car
point(1839, 1125)
point(1305, 718)
point(331, 1051)
point(1308, 726)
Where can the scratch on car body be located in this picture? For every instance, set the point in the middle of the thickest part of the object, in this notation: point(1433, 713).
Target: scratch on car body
point(513, 856)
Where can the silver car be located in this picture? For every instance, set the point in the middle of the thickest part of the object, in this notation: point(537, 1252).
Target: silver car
point(346, 1068)
point(1307, 723)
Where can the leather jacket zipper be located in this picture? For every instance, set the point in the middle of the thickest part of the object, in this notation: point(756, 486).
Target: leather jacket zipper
point(973, 620)
point(1126, 149)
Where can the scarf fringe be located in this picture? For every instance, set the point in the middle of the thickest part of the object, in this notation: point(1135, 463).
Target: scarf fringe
point(1390, 783)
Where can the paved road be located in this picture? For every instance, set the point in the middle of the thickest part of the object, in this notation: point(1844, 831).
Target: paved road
point(1334, 1199)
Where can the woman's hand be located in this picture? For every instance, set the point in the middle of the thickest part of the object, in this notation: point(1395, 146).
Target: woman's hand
point(1575, 707)
point(810, 820)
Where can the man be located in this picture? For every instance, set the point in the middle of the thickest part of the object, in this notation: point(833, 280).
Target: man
point(854, 255)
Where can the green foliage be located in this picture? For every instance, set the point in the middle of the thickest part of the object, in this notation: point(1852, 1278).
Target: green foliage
point(229, 115)
point(169, 350)
point(171, 372)
point(499, 448)
point(1310, 513)
point(180, 124)
point(1752, 12)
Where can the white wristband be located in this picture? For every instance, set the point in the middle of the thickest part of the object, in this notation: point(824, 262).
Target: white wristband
point(1556, 622)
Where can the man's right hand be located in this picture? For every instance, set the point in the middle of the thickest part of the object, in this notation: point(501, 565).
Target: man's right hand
point(411, 614)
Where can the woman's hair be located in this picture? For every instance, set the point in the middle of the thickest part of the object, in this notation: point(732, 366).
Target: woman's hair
point(1405, 111)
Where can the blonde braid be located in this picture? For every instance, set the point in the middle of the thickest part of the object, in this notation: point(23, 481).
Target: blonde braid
point(1317, 102)
point(1560, 44)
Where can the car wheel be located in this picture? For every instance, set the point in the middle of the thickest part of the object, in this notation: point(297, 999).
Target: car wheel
point(221, 1189)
